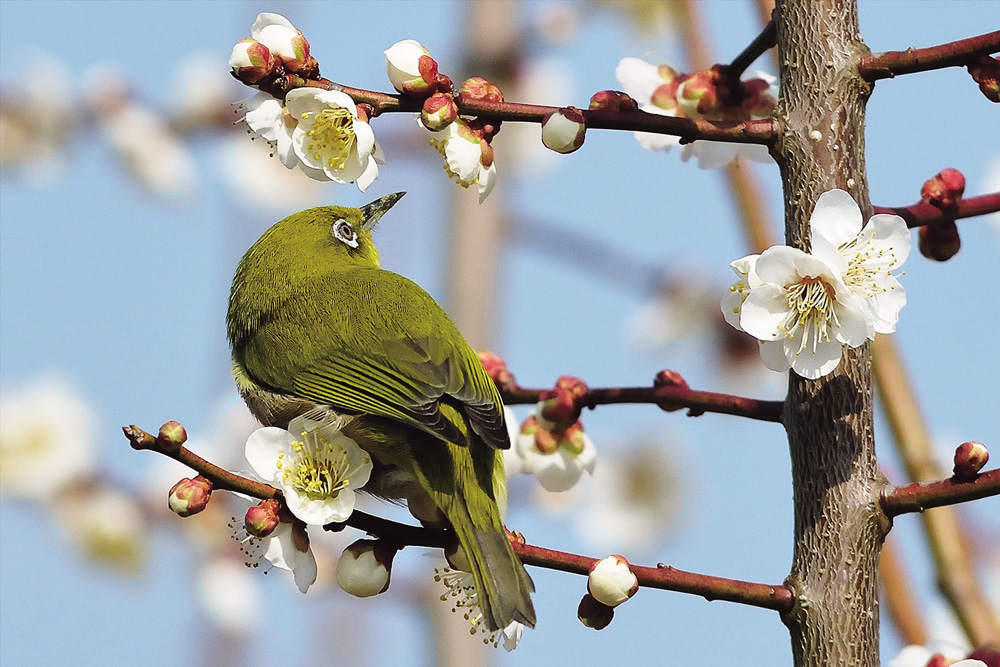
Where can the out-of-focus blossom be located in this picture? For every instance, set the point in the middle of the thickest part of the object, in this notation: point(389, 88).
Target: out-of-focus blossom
point(260, 181)
point(230, 595)
point(37, 121)
point(203, 94)
point(558, 458)
point(660, 89)
point(46, 442)
point(106, 525)
point(149, 150)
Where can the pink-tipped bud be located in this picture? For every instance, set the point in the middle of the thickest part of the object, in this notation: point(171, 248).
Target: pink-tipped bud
point(478, 88)
point(669, 378)
point(439, 111)
point(970, 457)
point(251, 61)
point(699, 94)
point(262, 519)
point(563, 131)
point(573, 439)
point(545, 441)
point(190, 496)
point(940, 241)
point(576, 387)
point(594, 614)
point(945, 189)
point(497, 369)
point(986, 72)
point(364, 569)
point(613, 100)
point(611, 581)
point(411, 69)
point(287, 43)
point(557, 409)
point(171, 436)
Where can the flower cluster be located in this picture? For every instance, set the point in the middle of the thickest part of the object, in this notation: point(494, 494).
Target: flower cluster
point(805, 307)
point(711, 94)
point(321, 132)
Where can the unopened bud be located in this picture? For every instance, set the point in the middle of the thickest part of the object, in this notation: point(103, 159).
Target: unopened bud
point(563, 131)
point(171, 436)
point(970, 457)
point(945, 189)
point(411, 69)
point(594, 614)
point(478, 88)
point(439, 111)
point(364, 569)
point(557, 409)
point(669, 378)
point(613, 100)
point(262, 519)
point(576, 387)
point(986, 72)
point(545, 441)
point(611, 581)
point(497, 369)
point(251, 61)
point(698, 95)
point(939, 241)
point(190, 496)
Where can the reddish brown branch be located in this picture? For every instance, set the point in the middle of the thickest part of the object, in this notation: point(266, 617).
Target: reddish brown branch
point(877, 66)
point(752, 131)
point(668, 578)
point(668, 398)
point(220, 478)
point(924, 213)
point(918, 496)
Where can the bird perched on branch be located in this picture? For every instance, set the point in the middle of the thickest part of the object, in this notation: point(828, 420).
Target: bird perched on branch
point(317, 328)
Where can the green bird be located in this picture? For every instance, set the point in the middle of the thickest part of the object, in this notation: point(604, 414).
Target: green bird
point(316, 326)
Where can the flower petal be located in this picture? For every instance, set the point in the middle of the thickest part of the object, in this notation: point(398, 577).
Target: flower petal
point(262, 449)
point(764, 312)
point(812, 364)
point(836, 217)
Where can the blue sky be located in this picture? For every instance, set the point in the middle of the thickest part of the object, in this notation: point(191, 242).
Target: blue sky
point(121, 295)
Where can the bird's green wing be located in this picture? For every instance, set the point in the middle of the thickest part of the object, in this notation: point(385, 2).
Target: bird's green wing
point(400, 362)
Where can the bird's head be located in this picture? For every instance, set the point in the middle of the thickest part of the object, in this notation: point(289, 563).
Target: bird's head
point(298, 249)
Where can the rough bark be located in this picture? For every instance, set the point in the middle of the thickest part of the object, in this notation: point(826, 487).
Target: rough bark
point(838, 526)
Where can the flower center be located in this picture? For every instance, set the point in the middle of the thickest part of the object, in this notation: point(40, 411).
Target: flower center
point(319, 469)
point(810, 312)
point(867, 266)
point(463, 591)
point(331, 137)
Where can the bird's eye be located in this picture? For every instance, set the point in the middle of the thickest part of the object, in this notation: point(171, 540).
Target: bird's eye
point(344, 232)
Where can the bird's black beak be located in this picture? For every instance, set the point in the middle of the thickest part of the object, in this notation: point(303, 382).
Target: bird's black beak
point(372, 212)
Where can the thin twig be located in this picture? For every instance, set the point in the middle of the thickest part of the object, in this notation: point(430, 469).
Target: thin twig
point(919, 496)
point(877, 66)
point(767, 39)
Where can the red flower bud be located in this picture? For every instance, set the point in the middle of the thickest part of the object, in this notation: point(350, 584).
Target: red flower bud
point(939, 242)
point(593, 614)
point(613, 100)
point(190, 496)
point(986, 72)
point(497, 369)
point(558, 407)
point(970, 457)
point(478, 88)
point(171, 436)
point(262, 519)
point(945, 189)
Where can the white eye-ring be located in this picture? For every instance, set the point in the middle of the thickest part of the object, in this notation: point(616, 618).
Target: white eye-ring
point(344, 232)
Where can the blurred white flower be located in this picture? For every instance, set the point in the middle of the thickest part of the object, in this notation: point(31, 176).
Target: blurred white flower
point(557, 458)
point(46, 442)
point(149, 150)
point(106, 525)
point(230, 595)
point(203, 93)
point(262, 181)
point(660, 89)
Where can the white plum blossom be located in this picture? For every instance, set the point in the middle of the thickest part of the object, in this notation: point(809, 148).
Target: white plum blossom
point(557, 458)
point(329, 137)
point(410, 67)
point(106, 525)
point(805, 307)
point(280, 37)
point(46, 443)
point(611, 581)
point(230, 595)
point(657, 88)
point(286, 548)
point(462, 589)
point(468, 158)
point(316, 467)
point(267, 118)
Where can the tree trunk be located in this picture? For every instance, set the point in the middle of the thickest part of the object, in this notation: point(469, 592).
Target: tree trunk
point(839, 527)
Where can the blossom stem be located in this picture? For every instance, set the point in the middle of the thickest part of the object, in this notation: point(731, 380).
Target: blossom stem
point(924, 213)
point(667, 397)
point(886, 65)
point(767, 39)
point(918, 496)
point(220, 478)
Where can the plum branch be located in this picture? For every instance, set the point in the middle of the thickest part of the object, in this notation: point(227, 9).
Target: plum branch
point(886, 65)
point(918, 496)
point(924, 213)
